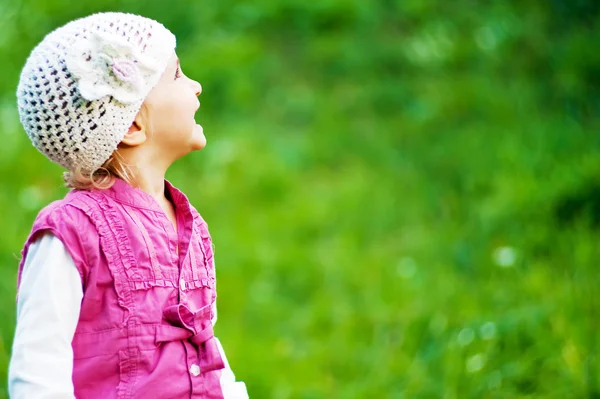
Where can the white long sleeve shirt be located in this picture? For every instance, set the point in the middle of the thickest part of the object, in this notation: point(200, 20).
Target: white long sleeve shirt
point(50, 294)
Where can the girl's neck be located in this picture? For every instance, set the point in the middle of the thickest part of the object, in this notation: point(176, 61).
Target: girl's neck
point(148, 172)
point(153, 185)
point(149, 167)
point(152, 180)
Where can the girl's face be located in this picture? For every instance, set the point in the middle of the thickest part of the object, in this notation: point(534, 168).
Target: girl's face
point(171, 106)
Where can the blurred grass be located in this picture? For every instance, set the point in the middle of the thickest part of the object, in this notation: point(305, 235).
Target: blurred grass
point(404, 195)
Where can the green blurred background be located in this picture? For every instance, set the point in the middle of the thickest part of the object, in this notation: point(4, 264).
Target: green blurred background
point(404, 194)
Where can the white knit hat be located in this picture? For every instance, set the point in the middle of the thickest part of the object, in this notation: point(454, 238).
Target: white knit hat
point(83, 85)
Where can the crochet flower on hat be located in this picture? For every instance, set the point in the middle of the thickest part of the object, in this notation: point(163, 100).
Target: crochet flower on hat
point(105, 65)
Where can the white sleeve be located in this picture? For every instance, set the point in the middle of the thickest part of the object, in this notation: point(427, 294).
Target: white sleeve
point(48, 306)
point(231, 388)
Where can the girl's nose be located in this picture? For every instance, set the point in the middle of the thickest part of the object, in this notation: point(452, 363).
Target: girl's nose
point(196, 86)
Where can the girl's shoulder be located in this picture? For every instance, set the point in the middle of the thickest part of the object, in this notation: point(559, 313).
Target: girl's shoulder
point(71, 224)
point(68, 212)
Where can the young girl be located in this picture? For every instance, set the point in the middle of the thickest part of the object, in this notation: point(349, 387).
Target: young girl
point(117, 282)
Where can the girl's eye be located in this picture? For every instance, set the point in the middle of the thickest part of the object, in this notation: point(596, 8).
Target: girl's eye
point(178, 73)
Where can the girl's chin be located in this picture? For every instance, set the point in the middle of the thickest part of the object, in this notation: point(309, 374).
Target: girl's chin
point(199, 140)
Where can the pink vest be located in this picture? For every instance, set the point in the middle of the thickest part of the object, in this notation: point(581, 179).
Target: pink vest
point(145, 328)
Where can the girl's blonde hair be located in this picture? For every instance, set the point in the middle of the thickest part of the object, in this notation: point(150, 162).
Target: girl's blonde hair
point(103, 177)
point(115, 167)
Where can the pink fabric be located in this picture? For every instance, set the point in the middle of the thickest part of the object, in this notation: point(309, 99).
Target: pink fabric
point(146, 313)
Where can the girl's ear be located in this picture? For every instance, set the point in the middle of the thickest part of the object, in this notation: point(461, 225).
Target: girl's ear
point(137, 133)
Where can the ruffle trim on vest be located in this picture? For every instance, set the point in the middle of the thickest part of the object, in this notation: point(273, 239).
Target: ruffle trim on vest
point(117, 247)
point(115, 244)
point(189, 285)
point(121, 245)
point(205, 282)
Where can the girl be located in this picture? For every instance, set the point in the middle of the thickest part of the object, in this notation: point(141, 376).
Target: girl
point(117, 282)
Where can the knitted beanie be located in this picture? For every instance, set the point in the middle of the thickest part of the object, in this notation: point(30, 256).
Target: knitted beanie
point(83, 85)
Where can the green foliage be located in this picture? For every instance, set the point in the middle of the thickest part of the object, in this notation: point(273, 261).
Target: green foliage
point(404, 195)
